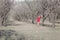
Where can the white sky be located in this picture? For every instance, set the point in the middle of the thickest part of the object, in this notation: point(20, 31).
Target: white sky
point(19, 0)
point(23, 0)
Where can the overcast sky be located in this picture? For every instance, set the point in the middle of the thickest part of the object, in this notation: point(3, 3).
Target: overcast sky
point(23, 0)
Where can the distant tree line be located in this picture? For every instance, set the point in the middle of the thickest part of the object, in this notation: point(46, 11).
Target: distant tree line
point(47, 8)
point(29, 10)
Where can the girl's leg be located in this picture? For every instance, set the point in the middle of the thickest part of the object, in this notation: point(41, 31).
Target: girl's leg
point(38, 23)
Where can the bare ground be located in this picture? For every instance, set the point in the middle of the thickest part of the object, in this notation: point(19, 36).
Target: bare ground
point(35, 32)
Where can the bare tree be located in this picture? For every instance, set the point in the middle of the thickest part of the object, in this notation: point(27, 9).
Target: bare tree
point(51, 7)
point(4, 9)
point(33, 7)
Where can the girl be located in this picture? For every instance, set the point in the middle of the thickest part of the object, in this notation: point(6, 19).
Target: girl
point(38, 19)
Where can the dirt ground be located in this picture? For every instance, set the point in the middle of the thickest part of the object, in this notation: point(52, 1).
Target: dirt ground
point(34, 31)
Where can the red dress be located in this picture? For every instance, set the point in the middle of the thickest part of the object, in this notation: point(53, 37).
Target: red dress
point(38, 19)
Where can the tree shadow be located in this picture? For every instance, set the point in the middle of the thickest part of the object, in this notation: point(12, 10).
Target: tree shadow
point(14, 24)
point(46, 25)
point(49, 25)
point(11, 35)
point(57, 22)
